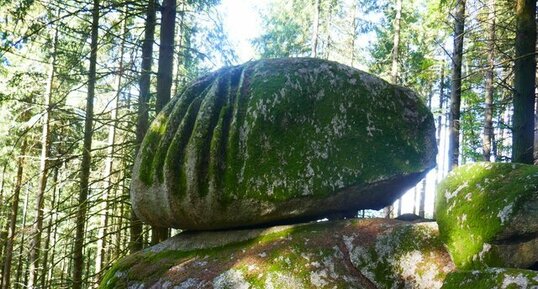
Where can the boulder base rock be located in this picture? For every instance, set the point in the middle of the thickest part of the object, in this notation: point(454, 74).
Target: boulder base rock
point(370, 253)
point(279, 141)
point(488, 215)
point(500, 278)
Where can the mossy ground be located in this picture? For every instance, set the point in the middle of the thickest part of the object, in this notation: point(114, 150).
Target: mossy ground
point(318, 255)
point(475, 202)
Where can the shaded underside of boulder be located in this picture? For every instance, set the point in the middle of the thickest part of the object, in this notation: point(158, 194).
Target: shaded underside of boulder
point(488, 215)
point(492, 278)
point(278, 141)
point(370, 253)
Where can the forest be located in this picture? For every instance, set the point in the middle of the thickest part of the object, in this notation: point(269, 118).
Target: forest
point(82, 80)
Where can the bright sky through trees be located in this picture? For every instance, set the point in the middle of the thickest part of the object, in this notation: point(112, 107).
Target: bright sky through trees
point(242, 23)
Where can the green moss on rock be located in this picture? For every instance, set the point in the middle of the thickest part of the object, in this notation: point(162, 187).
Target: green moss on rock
point(487, 215)
point(492, 278)
point(343, 254)
point(278, 140)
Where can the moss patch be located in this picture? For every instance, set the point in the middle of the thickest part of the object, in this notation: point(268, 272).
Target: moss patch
point(501, 278)
point(476, 202)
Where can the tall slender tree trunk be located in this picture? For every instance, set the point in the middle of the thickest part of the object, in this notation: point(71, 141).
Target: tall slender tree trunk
point(354, 27)
point(6, 272)
point(315, 28)
point(422, 193)
point(3, 233)
point(53, 239)
point(394, 74)
point(487, 137)
point(2, 183)
point(47, 247)
point(524, 82)
point(455, 93)
point(109, 161)
point(179, 43)
point(78, 249)
point(441, 102)
point(166, 54)
point(137, 239)
point(328, 40)
point(20, 264)
point(422, 203)
point(396, 43)
point(164, 78)
point(35, 243)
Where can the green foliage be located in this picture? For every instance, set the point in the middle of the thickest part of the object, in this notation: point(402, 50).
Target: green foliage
point(287, 28)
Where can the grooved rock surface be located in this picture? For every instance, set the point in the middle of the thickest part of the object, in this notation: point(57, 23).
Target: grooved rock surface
point(367, 253)
point(492, 278)
point(488, 215)
point(280, 141)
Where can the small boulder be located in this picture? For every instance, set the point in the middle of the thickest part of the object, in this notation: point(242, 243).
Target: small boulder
point(488, 215)
point(278, 141)
point(367, 253)
point(500, 278)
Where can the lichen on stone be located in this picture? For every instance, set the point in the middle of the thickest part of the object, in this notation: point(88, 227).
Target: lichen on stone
point(317, 255)
point(492, 278)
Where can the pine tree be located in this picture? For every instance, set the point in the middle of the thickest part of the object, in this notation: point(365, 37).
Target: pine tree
point(455, 96)
point(524, 82)
point(82, 206)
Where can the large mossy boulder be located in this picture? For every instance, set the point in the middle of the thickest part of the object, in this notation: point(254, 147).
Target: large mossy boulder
point(492, 278)
point(279, 141)
point(370, 253)
point(488, 215)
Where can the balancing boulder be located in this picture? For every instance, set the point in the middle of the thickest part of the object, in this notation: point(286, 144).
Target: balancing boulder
point(278, 141)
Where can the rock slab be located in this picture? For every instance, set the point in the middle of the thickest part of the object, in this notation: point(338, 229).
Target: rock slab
point(492, 278)
point(369, 253)
point(280, 141)
point(488, 215)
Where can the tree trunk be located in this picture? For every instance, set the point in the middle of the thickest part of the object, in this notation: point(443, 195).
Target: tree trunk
point(422, 194)
point(6, 272)
point(394, 75)
point(109, 162)
point(78, 254)
point(164, 78)
point(47, 247)
point(166, 54)
point(179, 44)
point(2, 184)
point(422, 204)
point(328, 41)
point(143, 109)
point(396, 43)
point(54, 220)
point(487, 138)
point(20, 271)
point(439, 168)
point(524, 82)
point(354, 28)
point(315, 28)
point(455, 93)
point(3, 218)
point(35, 243)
